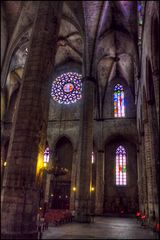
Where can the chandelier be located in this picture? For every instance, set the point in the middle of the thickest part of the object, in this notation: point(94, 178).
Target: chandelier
point(57, 171)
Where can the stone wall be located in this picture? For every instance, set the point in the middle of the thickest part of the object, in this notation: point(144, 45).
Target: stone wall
point(147, 102)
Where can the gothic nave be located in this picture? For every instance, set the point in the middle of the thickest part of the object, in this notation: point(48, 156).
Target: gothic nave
point(80, 119)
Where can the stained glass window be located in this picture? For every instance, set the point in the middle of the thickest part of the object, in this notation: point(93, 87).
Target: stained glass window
point(140, 12)
point(67, 88)
point(121, 166)
point(119, 108)
point(92, 157)
point(140, 8)
point(46, 155)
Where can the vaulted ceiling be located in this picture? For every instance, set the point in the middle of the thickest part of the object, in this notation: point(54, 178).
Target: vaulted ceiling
point(100, 36)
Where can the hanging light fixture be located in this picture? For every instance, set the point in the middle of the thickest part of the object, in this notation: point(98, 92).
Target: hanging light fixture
point(74, 189)
point(57, 171)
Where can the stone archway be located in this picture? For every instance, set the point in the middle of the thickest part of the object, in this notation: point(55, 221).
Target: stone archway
point(120, 198)
point(61, 186)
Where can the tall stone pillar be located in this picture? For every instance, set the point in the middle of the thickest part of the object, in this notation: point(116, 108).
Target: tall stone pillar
point(48, 182)
point(99, 183)
point(85, 154)
point(140, 176)
point(154, 142)
point(73, 181)
point(47, 188)
point(144, 176)
point(19, 198)
point(3, 159)
point(148, 160)
point(156, 80)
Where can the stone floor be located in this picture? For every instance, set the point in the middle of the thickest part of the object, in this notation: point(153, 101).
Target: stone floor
point(102, 228)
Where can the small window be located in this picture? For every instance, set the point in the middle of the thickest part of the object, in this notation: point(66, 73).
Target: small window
point(119, 108)
point(121, 166)
point(93, 160)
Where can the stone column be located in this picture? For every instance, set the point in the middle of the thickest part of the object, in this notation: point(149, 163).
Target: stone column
point(85, 153)
point(73, 181)
point(2, 161)
point(148, 159)
point(48, 182)
point(20, 194)
point(154, 142)
point(156, 80)
point(144, 176)
point(99, 183)
point(140, 176)
point(47, 188)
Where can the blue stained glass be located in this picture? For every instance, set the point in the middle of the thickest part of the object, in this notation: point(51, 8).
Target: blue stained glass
point(139, 7)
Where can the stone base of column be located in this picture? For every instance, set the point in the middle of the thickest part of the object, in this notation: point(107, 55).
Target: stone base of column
point(83, 218)
point(33, 235)
point(157, 212)
point(72, 203)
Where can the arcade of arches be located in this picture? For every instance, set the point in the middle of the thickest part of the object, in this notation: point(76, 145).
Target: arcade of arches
point(79, 110)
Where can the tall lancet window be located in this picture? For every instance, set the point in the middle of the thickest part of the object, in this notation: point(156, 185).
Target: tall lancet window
point(119, 108)
point(93, 158)
point(121, 166)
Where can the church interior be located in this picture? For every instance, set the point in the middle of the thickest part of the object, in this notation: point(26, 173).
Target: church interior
point(79, 115)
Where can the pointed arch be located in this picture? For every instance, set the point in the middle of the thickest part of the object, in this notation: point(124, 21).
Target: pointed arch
point(61, 186)
point(64, 153)
point(119, 107)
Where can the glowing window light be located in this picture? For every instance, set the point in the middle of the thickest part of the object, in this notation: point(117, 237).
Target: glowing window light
point(67, 88)
point(92, 157)
point(119, 108)
point(46, 156)
point(140, 9)
point(121, 178)
point(140, 12)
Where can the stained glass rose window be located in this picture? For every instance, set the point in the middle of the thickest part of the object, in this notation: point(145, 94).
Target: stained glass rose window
point(67, 88)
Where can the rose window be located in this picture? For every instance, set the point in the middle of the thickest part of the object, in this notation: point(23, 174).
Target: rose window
point(67, 88)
